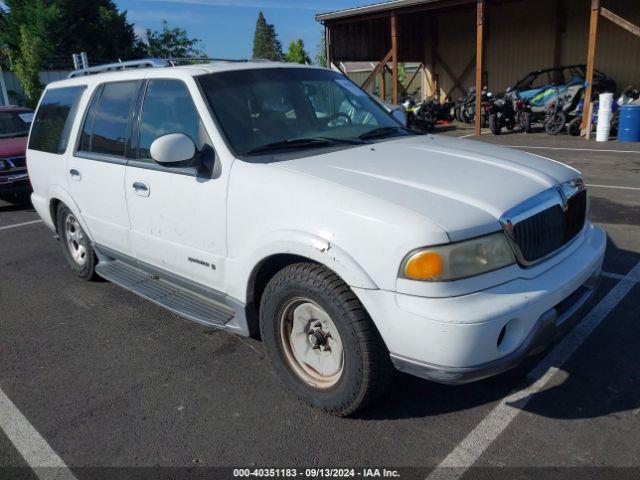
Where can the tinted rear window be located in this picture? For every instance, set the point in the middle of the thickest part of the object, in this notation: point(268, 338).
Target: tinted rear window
point(107, 122)
point(53, 120)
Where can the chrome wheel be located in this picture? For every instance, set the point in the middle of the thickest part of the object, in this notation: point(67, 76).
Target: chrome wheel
point(75, 240)
point(311, 343)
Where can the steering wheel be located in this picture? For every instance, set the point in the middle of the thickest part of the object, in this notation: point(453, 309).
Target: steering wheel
point(335, 116)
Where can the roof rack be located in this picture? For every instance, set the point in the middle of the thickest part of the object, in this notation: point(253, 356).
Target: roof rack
point(153, 63)
point(112, 67)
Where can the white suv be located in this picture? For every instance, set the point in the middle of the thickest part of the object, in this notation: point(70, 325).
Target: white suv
point(281, 199)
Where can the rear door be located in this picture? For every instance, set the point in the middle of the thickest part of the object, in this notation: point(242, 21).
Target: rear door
point(178, 214)
point(97, 167)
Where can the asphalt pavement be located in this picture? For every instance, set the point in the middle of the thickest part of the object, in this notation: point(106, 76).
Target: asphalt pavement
point(117, 387)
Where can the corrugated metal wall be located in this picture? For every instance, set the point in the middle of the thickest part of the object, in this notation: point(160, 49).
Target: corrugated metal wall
point(617, 52)
point(521, 36)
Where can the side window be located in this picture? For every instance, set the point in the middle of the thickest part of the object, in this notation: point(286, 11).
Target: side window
point(168, 108)
point(53, 120)
point(106, 124)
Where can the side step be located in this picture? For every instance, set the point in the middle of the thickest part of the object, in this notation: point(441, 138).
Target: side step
point(187, 304)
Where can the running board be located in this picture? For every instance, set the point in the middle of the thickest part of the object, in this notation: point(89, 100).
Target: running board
point(182, 302)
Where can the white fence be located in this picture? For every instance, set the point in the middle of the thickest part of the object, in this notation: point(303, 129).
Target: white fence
point(14, 89)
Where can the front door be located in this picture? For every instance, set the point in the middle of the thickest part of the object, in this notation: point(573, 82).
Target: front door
point(177, 214)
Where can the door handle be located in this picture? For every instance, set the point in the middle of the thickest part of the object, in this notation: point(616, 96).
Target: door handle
point(141, 189)
point(75, 174)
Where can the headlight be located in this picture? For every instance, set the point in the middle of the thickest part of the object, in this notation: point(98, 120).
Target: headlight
point(458, 260)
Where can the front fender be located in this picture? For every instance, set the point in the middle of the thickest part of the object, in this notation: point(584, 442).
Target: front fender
point(305, 245)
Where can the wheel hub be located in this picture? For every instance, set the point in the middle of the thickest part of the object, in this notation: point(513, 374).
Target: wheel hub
point(75, 237)
point(311, 343)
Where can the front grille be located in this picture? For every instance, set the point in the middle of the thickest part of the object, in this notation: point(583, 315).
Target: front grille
point(19, 162)
point(13, 163)
point(547, 231)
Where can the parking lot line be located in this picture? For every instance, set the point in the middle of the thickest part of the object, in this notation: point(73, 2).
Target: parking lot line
point(24, 224)
point(572, 149)
point(46, 464)
point(467, 452)
point(611, 186)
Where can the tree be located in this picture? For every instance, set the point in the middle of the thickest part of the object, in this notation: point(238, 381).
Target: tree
point(95, 27)
point(30, 42)
point(39, 34)
point(172, 43)
point(265, 41)
point(321, 56)
point(296, 53)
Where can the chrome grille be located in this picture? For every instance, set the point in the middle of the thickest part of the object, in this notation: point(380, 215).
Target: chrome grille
point(544, 224)
point(13, 163)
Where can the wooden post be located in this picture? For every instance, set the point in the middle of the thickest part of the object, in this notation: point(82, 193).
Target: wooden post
point(591, 57)
point(394, 50)
point(383, 84)
point(434, 57)
point(328, 45)
point(480, 11)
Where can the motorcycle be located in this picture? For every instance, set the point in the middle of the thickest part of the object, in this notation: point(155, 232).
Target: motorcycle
point(465, 107)
point(418, 116)
point(503, 112)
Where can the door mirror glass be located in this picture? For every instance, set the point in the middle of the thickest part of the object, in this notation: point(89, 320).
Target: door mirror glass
point(173, 149)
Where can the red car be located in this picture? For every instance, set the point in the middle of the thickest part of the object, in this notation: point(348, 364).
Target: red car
point(14, 130)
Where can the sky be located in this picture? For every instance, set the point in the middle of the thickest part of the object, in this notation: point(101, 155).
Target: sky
point(226, 26)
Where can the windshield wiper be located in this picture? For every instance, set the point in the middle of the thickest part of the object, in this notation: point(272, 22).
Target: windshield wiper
point(293, 143)
point(380, 132)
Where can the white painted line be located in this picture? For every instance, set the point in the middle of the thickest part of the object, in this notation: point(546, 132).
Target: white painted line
point(46, 464)
point(573, 149)
point(467, 452)
point(469, 135)
point(615, 276)
point(612, 186)
point(20, 224)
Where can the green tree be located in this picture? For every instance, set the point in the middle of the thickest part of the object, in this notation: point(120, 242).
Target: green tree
point(172, 43)
point(95, 27)
point(40, 34)
point(296, 53)
point(321, 56)
point(265, 41)
point(30, 42)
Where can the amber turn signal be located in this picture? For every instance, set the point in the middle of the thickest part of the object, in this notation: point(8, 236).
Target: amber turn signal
point(423, 266)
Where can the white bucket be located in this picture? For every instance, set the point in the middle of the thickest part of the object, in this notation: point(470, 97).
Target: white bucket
point(604, 117)
point(606, 102)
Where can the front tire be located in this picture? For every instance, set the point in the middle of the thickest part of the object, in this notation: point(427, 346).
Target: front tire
point(76, 245)
point(321, 342)
point(494, 124)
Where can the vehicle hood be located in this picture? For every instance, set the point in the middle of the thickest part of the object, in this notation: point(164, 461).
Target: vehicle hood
point(462, 186)
point(13, 147)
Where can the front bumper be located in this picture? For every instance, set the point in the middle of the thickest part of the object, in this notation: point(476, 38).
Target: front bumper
point(14, 183)
point(552, 324)
point(469, 337)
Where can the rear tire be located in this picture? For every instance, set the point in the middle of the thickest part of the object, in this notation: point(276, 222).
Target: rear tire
point(76, 245)
point(494, 124)
point(320, 340)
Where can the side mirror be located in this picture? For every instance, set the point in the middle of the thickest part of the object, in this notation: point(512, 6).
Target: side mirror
point(173, 149)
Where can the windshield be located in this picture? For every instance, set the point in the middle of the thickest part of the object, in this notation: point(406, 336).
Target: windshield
point(14, 124)
point(294, 108)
